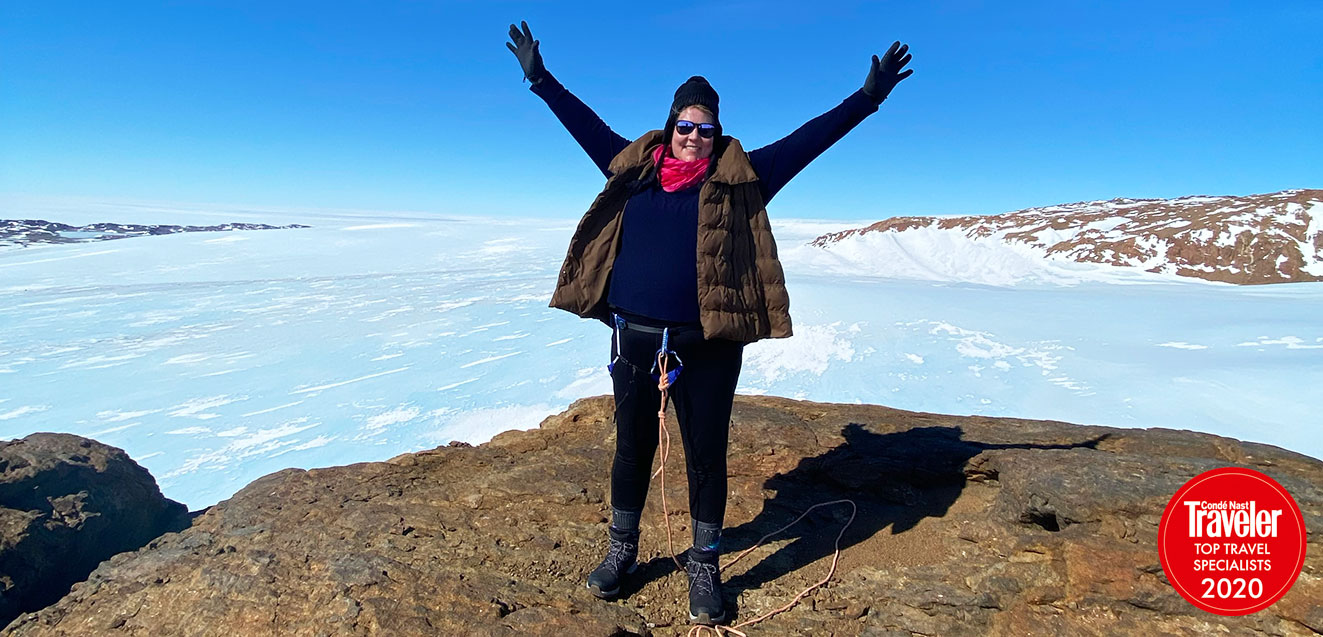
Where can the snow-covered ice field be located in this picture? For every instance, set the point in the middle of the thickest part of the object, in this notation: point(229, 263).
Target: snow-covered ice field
point(215, 358)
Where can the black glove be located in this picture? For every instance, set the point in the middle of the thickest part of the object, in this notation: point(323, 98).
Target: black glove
point(885, 74)
point(525, 48)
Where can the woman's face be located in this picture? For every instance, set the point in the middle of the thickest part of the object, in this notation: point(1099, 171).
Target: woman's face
point(692, 147)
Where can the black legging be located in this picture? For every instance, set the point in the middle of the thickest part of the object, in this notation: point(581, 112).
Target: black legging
point(702, 396)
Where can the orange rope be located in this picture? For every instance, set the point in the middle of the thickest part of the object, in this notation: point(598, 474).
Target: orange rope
point(697, 631)
point(663, 385)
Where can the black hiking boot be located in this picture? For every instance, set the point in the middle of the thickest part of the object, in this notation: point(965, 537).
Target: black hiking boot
point(621, 559)
point(705, 603)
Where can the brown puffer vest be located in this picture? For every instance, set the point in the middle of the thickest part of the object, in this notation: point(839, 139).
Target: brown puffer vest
point(741, 287)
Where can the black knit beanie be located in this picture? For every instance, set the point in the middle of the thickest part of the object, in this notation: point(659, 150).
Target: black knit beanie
point(694, 92)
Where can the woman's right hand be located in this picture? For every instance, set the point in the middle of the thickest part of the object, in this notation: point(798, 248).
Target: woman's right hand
point(525, 49)
point(886, 73)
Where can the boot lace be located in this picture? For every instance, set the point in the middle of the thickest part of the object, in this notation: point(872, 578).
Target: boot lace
point(619, 554)
point(702, 577)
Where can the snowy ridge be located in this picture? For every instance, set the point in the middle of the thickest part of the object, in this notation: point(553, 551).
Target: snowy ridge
point(25, 232)
point(1271, 238)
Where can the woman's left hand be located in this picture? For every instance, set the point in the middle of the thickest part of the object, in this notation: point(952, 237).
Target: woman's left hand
point(886, 73)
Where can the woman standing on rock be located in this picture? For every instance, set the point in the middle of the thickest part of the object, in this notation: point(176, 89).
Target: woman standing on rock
point(676, 254)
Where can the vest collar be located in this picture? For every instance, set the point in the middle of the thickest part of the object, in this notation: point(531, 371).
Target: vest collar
point(733, 165)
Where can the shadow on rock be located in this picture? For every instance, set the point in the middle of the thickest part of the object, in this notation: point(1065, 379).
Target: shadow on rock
point(66, 504)
point(895, 479)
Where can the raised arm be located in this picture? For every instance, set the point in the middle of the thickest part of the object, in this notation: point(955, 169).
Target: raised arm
point(594, 136)
point(778, 162)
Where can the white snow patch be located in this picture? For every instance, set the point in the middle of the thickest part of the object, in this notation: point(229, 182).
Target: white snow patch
point(229, 239)
point(489, 359)
point(101, 362)
point(1313, 257)
point(479, 425)
point(257, 443)
point(271, 409)
point(65, 258)
point(112, 430)
point(380, 226)
point(1182, 345)
point(1106, 225)
point(589, 381)
point(451, 305)
point(934, 254)
point(497, 247)
point(346, 382)
point(23, 411)
point(396, 416)
point(197, 407)
point(61, 350)
point(189, 431)
point(388, 313)
point(973, 344)
point(186, 359)
point(454, 385)
point(1291, 342)
point(319, 441)
point(118, 416)
point(527, 298)
point(809, 351)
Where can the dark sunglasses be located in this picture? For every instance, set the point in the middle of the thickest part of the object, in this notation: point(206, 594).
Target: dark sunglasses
point(706, 131)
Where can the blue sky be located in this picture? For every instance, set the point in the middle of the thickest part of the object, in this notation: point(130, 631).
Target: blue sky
point(419, 106)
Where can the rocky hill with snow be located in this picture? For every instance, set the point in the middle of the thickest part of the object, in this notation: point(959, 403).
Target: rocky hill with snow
point(1268, 238)
point(25, 232)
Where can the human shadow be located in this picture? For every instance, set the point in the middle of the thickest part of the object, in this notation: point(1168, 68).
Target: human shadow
point(895, 479)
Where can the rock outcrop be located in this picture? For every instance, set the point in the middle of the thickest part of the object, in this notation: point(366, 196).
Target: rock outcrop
point(1268, 238)
point(965, 526)
point(25, 232)
point(66, 504)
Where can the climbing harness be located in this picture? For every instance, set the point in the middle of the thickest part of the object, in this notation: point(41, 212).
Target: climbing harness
point(665, 378)
point(659, 365)
point(618, 325)
point(665, 351)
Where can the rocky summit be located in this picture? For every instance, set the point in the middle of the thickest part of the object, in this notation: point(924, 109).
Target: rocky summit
point(964, 526)
point(66, 504)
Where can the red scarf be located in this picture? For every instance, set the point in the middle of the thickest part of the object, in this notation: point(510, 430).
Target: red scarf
point(676, 174)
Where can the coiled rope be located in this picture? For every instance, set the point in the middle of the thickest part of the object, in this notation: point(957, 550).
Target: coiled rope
point(664, 384)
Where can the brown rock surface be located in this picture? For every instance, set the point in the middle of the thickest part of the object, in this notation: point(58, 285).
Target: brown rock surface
point(66, 504)
point(966, 526)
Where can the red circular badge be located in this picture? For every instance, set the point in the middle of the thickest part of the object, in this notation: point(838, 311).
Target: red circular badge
point(1232, 541)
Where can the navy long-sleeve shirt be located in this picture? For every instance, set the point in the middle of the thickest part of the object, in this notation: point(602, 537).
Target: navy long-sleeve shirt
point(655, 275)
